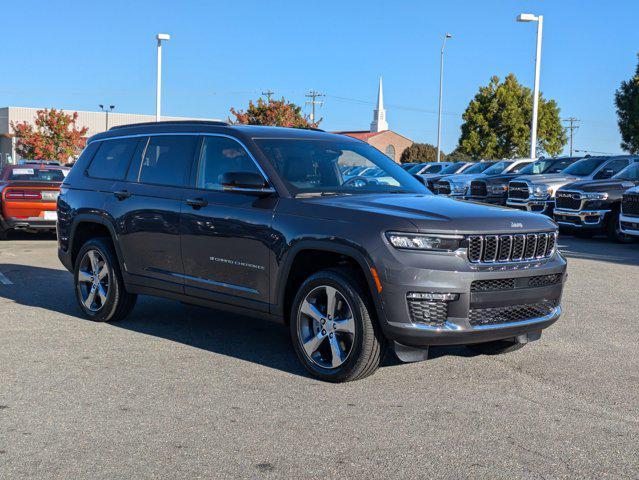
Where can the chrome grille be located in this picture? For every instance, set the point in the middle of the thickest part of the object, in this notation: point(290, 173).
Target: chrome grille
point(428, 312)
point(518, 190)
point(478, 188)
point(510, 248)
point(630, 204)
point(512, 313)
point(443, 188)
point(568, 200)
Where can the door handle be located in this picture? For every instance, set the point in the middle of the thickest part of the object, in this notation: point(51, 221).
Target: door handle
point(196, 203)
point(121, 194)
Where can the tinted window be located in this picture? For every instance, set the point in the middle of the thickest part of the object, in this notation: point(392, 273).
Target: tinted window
point(629, 173)
point(432, 169)
point(452, 168)
point(112, 159)
point(584, 167)
point(478, 167)
point(36, 174)
point(167, 160)
point(219, 156)
point(611, 168)
point(519, 168)
point(498, 168)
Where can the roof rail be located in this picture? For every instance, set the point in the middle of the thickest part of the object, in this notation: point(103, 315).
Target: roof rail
point(173, 122)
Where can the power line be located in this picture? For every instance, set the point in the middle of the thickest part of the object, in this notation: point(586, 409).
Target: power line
point(313, 94)
point(573, 127)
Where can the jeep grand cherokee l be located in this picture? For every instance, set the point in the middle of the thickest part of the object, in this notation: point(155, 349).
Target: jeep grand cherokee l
point(537, 193)
point(259, 220)
point(28, 194)
point(594, 206)
point(494, 188)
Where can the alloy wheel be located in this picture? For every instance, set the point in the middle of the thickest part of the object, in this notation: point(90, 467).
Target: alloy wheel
point(93, 280)
point(326, 327)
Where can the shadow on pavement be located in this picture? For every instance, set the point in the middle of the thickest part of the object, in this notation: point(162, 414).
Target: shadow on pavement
point(245, 338)
point(599, 249)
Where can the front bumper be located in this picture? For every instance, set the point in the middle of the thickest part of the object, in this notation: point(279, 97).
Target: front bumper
point(629, 225)
point(535, 205)
point(587, 219)
point(461, 325)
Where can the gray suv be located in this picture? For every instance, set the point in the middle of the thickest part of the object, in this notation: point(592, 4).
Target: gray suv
point(260, 221)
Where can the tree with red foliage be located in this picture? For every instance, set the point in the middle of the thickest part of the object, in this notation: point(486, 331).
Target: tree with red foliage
point(278, 113)
point(54, 137)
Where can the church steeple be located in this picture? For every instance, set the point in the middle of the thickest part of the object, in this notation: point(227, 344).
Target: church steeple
point(379, 123)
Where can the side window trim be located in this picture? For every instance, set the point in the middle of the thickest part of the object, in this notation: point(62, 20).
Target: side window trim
point(196, 178)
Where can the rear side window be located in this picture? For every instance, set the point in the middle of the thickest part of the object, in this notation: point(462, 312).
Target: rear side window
point(111, 161)
point(167, 160)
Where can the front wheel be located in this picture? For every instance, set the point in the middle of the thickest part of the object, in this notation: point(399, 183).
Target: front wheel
point(613, 229)
point(99, 286)
point(332, 327)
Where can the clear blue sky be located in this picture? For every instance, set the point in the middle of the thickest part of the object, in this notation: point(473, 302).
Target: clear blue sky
point(78, 54)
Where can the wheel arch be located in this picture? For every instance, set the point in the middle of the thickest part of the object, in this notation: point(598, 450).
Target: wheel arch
point(87, 226)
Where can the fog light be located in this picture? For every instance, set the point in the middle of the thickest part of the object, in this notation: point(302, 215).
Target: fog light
point(438, 297)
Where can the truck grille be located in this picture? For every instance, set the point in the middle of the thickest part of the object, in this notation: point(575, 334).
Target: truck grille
point(630, 204)
point(443, 188)
point(428, 312)
point(510, 248)
point(518, 190)
point(478, 188)
point(568, 200)
point(500, 284)
point(513, 313)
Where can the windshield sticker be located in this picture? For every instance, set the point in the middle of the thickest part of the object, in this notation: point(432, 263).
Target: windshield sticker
point(23, 171)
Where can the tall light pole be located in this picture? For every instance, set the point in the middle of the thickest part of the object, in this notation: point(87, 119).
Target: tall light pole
point(158, 92)
point(106, 110)
point(441, 89)
point(529, 17)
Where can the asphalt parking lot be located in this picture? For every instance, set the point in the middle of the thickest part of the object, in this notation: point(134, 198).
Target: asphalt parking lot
point(184, 392)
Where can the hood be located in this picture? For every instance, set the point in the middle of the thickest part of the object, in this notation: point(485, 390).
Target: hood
point(550, 179)
point(499, 179)
point(601, 185)
point(431, 213)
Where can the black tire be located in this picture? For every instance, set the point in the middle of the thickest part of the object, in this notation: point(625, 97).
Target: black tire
point(497, 347)
point(119, 302)
point(613, 229)
point(4, 234)
point(368, 343)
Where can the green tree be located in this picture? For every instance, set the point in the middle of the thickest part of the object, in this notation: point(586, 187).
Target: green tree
point(627, 102)
point(497, 122)
point(458, 156)
point(277, 113)
point(420, 153)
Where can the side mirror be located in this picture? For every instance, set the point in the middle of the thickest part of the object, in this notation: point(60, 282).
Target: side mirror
point(245, 181)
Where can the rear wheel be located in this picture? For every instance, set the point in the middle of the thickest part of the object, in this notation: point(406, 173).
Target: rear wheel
point(497, 347)
point(99, 285)
point(332, 327)
point(613, 229)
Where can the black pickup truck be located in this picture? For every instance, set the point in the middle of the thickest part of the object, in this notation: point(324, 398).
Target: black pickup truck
point(593, 206)
point(494, 188)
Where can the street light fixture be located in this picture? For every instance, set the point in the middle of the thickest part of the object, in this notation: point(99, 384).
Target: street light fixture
point(106, 110)
point(529, 17)
point(441, 87)
point(158, 92)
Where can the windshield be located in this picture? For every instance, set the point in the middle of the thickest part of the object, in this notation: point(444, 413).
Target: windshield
point(546, 166)
point(478, 167)
point(584, 167)
point(313, 166)
point(631, 172)
point(415, 168)
point(498, 168)
point(31, 174)
point(452, 168)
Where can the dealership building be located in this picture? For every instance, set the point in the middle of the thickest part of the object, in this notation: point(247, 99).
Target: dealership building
point(96, 122)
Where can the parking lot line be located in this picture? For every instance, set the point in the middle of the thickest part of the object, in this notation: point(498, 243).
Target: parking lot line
point(4, 280)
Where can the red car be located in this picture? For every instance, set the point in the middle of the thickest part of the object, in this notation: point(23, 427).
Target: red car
point(28, 196)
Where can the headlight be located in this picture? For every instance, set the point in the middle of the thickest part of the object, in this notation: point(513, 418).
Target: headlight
point(418, 241)
point(499, 189)
point(457, 187)
point(595, 196)
point(540, 190)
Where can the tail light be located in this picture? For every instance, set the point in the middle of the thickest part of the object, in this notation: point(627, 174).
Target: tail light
point(15, 194)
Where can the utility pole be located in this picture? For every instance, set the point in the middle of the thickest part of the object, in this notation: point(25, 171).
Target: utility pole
point(158, 87)
point(441, 88)
point(313, 94)
point(106, 110)
point(572, 127)
point(268, 94)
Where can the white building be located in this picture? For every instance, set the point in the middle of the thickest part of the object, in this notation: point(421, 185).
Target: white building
point(96, 122)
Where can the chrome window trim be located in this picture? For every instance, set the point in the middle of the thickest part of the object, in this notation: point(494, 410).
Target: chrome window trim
point(198, 134)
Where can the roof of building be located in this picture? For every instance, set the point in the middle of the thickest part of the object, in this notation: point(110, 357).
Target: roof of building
point(365, 134)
